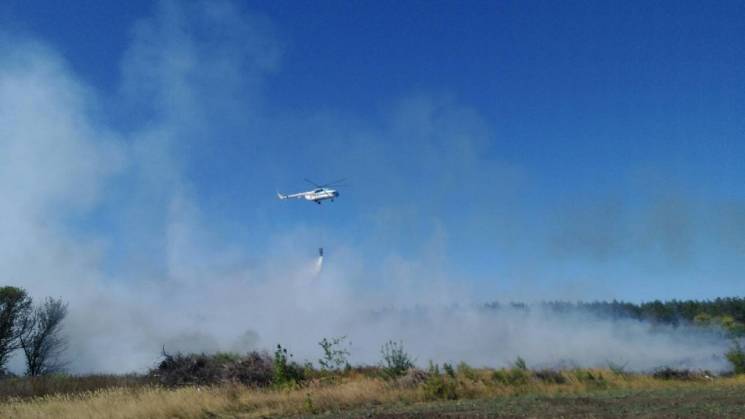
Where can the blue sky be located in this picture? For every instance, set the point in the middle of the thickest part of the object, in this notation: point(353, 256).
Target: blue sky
point(518, 149)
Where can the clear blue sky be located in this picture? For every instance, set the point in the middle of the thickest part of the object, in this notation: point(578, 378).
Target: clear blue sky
point(588, 149)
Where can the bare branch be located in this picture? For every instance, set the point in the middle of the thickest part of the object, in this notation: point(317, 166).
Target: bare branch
point(42, 341)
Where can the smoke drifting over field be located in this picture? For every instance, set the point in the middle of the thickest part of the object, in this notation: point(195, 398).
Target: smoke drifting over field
point(242, 314)
point(109, 216)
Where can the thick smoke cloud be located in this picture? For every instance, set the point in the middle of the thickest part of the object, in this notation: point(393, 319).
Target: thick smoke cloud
point(113, 216)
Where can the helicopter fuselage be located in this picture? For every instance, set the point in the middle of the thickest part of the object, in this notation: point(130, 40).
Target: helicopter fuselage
point(321, 194)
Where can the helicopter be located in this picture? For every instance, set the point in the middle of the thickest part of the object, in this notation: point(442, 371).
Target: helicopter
point(317, 195)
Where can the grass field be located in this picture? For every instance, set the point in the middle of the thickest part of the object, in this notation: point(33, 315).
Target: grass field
point(469, 393)
point(695, 402)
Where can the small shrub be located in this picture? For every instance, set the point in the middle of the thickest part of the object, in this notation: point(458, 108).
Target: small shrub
point(467, 371)
point(395, 359)
point(181, 370)
point(335, 356)
point(448, 368)
point(511, 377)
point(517, 375)
point(254, 369)
point(308, 405)
point(438, 386)
point(500, 376)
point(434, 369)
point(286, 372)
point(736, 357)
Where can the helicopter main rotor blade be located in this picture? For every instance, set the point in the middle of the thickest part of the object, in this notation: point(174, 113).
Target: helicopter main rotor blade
point(313, 183)
point(334, 183)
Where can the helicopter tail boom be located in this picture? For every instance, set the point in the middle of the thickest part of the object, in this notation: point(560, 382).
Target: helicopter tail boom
point(292, 196)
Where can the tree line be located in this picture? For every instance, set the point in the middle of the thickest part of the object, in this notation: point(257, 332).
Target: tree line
point(727, 313)
point(35, 329)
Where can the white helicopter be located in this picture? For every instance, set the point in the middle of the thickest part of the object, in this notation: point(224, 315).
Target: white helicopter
point(321, 193)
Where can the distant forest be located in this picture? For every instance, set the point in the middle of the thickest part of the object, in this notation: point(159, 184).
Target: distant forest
point(727, 313)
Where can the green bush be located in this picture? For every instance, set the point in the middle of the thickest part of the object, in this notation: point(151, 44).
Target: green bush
point(467, 371)
point(286, 372)
point(335, 355)
point(736, 357)
point(438, 386)
point(517, 375)
point(395, 359)
point(500, 376)
point(448, 368)
point(511, 377)
point(308, 405)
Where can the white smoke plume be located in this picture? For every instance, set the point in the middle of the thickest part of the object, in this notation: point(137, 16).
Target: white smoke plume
point(110, 218)
point(318, 266)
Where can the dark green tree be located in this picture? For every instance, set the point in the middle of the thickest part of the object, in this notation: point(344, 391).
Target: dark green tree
point(15, 308)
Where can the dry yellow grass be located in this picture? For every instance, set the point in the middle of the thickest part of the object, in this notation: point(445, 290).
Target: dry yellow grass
point(191, 402)
point(347, 393)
